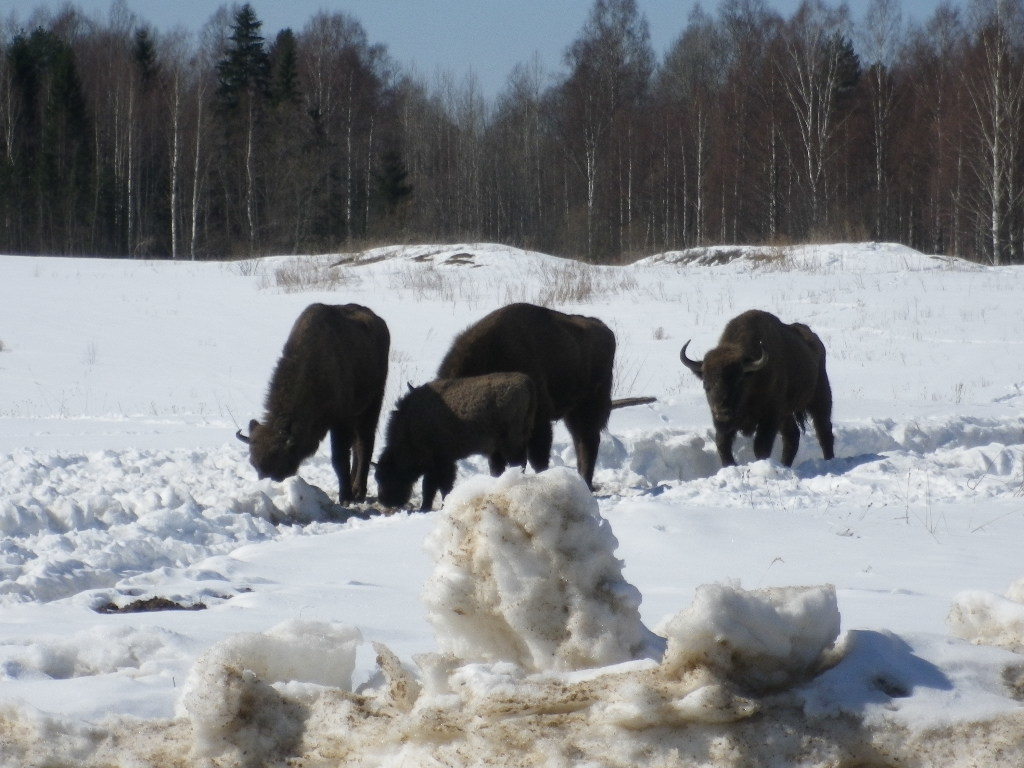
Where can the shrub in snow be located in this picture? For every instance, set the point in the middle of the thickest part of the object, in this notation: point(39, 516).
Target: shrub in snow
point(229, 698)
point(759, 640)
point(526, 573)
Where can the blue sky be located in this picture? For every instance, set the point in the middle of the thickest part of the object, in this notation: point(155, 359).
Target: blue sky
point(487, 37)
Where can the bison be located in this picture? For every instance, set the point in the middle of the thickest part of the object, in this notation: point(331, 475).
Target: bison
point(330, 378)
point(448, 419)
point(766, 377)
point(568, 357)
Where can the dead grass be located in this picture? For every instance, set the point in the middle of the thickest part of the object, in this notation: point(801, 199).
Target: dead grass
point(571, 282)
point(772, 259)
point(310, 273)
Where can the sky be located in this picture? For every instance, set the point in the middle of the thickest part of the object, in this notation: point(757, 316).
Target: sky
point(485, 37)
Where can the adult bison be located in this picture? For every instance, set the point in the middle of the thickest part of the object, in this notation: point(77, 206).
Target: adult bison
point(330, 378)
point(766, 377)
point(568, 357)
point(449, 419)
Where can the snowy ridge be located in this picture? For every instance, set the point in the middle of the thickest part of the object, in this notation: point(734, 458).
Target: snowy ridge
point(873, 258)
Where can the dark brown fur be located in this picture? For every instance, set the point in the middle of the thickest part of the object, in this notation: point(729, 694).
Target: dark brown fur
point(568, 357)
point(778, 397)
point(443, 421)
point(330, 378)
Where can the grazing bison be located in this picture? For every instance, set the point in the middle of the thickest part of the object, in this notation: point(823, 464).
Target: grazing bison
point(766, 377)
point(445, 420)
point(330, 378)
point(568, 357)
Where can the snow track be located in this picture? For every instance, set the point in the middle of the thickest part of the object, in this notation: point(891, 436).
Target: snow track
point(100, 521)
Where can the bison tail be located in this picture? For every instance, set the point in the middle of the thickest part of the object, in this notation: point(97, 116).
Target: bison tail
point(801, 420)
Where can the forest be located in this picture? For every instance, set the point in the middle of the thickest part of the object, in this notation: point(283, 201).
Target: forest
point(119, 139)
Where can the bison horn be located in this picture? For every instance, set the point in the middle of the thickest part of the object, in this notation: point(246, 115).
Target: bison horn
point(757, 365)
point(697, 366)
point(243, 438)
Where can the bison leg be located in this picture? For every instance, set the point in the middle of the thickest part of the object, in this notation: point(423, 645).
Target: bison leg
point(497, 463)
point(366, 433)
point(790, 440)
point(587, 440)
point(821, 416)
point(439, 478)
point(723, 442)
point(340, 448)
point(341, 442)
point(764, 439)
point(823, 429)
point(539, 448)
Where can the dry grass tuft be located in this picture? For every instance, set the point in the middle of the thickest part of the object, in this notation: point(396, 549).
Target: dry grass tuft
point(311, 273)
point(572, 282)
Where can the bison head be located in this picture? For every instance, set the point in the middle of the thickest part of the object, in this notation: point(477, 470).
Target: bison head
point(394, 480)
point(272, 451)
point(726, 373)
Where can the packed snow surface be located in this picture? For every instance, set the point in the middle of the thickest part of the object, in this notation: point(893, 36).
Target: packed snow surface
point(159, 605)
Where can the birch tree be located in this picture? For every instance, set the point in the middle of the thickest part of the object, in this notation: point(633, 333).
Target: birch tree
point(881, 36)
point(995, 87)
point(812, 74)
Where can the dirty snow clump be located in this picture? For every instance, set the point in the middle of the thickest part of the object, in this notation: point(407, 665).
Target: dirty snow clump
point(230, 698)
point(759, 640)
point(526, 573)
point(988, 619)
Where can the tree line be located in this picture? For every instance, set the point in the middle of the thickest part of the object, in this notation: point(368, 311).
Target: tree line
point(117, 139)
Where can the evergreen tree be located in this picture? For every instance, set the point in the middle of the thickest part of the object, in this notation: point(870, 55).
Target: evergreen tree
point(392, 186)
point(284, 86)
point(243, 86)
point(53, 164)
point(245, 68)
point(144, 53)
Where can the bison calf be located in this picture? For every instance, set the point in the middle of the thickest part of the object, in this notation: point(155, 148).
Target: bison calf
point(766, 377)
point(448, 419)
point(330, 378)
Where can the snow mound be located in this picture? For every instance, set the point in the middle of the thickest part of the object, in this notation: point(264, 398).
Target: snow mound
point(761, 640)
point(988, 619)
point(526, 573)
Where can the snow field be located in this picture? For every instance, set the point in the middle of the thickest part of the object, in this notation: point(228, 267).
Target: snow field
point(865, 611)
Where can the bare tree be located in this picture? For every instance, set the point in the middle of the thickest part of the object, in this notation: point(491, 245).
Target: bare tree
point(995, 87)
point(610, 66)
point(812, 74)
point(881, 38)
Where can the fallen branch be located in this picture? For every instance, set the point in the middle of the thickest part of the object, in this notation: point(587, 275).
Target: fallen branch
point(626, 402)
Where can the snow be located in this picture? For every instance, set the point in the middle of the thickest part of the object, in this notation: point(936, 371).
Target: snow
point(863, 611)
point(526, 573)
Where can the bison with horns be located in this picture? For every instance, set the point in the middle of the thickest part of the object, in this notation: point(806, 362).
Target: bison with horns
point(449, 419)
point(568, 357)
point(766, 377)
point(330, 378)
